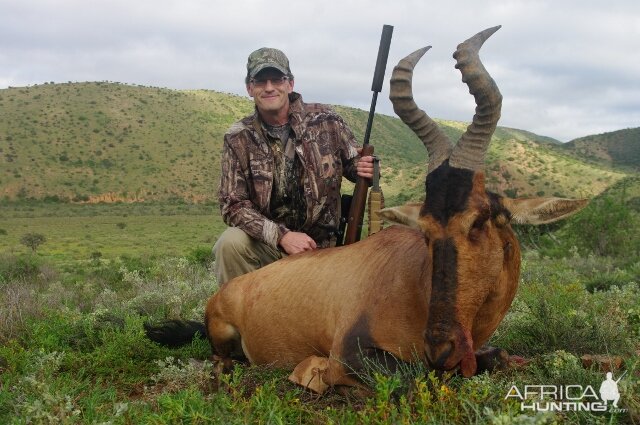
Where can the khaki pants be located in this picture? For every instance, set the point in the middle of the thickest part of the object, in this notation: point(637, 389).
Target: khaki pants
point(237, 253)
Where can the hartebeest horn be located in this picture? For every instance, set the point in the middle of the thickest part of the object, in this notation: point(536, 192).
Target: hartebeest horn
point(471, 149)
point(401, 94)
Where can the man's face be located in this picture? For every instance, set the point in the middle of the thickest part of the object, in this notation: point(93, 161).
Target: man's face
point(270, 91)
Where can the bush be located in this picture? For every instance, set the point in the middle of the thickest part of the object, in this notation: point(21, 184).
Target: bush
point(201, 255)
point(32, 240)
point(21, 281)
point(23, 267)
point(606, 227)
point(547, 316)
point(607, 281)
point(95, 257)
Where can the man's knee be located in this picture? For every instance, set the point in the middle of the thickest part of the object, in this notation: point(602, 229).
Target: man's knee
point(237, 253)
point(233, 241)
point(236, 245)
point(233, 255)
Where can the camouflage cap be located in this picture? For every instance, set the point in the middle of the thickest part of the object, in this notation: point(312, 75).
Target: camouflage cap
point(267, 58)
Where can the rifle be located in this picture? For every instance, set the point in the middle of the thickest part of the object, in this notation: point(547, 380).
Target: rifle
point(359, 199)
point(621, 376)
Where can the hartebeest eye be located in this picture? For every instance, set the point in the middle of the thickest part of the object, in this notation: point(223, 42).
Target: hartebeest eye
point(479, 224)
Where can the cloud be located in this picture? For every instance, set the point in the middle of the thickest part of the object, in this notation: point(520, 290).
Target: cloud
point(566, 69)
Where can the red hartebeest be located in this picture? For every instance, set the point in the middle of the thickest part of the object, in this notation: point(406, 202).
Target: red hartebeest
point(433, 290)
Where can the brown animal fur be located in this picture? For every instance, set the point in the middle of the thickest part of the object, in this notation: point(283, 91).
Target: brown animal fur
point(308, 305)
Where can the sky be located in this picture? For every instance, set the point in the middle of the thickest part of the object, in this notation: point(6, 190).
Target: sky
point(566, 68)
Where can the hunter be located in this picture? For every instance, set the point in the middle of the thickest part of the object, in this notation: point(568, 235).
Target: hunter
point(282, 169)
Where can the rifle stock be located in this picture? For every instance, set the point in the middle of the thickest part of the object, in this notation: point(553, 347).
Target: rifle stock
point(358, 202)
point(356, 212)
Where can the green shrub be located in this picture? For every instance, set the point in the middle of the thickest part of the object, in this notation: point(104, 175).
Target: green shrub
point(21, 267)
point(141, 264)
point(607, 281)
point(548, 316)
point(33, 240)
point(606, 227)
point(511, 192)
point(201, 255)
point(38, 399)
point(95, 257)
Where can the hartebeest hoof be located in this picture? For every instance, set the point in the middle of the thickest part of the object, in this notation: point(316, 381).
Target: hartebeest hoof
point(318, 374)
point(310, 372)
point(222, 364)
point(491, 358)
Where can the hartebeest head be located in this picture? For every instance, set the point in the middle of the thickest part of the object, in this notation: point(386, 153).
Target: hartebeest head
point(475, 256)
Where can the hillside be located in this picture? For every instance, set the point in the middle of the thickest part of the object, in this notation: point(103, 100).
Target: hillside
point(626, 190)
point(103, 141)
point(620, 147)
point(109, 142)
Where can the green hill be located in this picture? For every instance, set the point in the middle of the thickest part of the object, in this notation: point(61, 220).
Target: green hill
point(620, 147)
point(110, 142)
point(107, 142)
point(626, 190)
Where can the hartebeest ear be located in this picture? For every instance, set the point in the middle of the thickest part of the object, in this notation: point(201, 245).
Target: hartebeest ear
point(542, 210)
point(407, 214)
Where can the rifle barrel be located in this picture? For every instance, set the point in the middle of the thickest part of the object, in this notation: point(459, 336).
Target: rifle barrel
point(381, 61)
point(356, 213)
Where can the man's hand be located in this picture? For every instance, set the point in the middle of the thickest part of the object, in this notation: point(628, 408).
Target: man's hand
point(365, 166)
point(296, 242)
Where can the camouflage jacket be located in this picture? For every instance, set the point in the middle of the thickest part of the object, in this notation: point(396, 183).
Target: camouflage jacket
point(326, 148)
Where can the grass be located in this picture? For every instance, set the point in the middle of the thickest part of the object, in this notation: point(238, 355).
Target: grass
point(72, 347)
point(73, 350)
point(75, 232)
point(119, 377)
point(558, 309)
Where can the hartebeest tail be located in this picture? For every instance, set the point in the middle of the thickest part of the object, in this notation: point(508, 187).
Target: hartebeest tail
point(433, 290)
point(175, 333)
